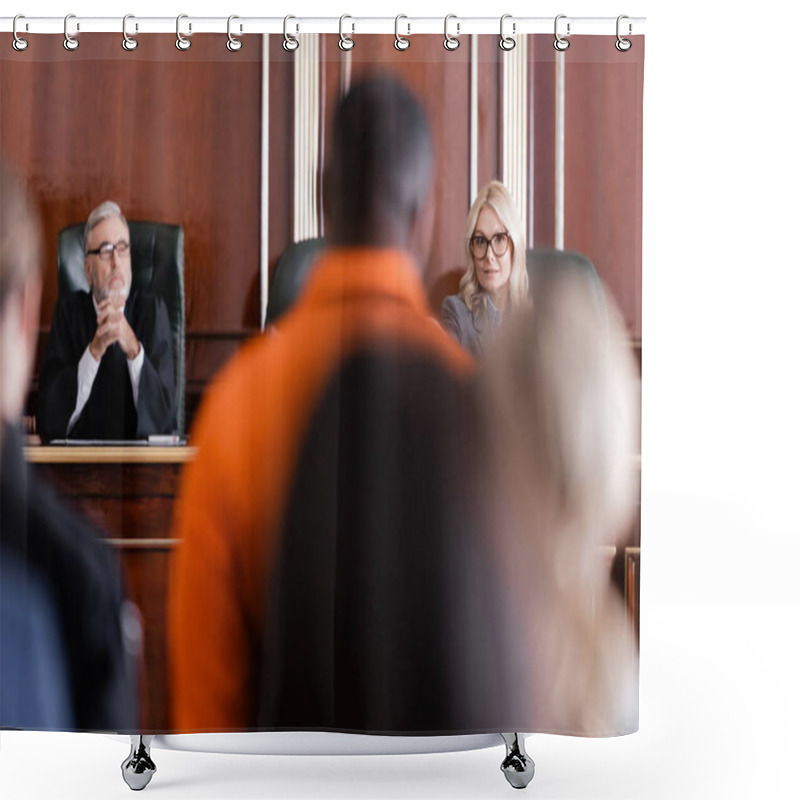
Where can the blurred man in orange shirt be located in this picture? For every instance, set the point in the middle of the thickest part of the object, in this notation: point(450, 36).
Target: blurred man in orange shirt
point(365, 289)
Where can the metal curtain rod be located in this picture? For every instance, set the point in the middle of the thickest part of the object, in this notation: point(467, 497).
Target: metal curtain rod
point(597, 26)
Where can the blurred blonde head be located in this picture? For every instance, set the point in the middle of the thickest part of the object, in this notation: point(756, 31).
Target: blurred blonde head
point(20, 292)
point(495, 196)
point(564, 378)
point(559, 400)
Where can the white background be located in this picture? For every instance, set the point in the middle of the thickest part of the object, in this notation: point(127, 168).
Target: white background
point(720, 600)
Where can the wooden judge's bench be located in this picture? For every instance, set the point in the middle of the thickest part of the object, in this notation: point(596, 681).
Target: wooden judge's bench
point(129, 492)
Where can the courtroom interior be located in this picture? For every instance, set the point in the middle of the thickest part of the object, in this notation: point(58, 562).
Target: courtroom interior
point(217, 160)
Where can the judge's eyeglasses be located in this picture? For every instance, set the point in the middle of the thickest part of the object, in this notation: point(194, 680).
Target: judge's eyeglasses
point(107, 248)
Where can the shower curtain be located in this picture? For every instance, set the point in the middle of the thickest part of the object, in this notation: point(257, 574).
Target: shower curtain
point(231, 144)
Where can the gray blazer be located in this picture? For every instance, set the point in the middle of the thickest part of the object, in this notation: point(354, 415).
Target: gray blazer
point(473, 331)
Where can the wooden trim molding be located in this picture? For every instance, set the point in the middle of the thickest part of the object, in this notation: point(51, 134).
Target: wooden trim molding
point(473, 119)
point(515, 124)
point(136, 454)
point(142, 544)
point(263, 267)
point(560, 148)
point(306, 138)
point(632, 568)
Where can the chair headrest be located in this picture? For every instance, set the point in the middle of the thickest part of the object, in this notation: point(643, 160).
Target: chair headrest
point(540, 260)
point(152, 244)
point(545, 264)
point(291, 273)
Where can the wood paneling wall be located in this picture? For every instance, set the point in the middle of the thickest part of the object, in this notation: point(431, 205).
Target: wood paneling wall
point(281, 148)
point(175, 136)
point(133, 504)
point(171, 136)
point(604, 165)
point(603, 160)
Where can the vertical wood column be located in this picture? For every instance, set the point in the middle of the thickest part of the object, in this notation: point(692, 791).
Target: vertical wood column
point(515, 124)
point(473, 118)
point(264, 253)
point(306, 138)
point(561, 96)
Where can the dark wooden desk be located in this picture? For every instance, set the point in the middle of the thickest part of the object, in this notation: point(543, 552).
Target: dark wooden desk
point(129, 492)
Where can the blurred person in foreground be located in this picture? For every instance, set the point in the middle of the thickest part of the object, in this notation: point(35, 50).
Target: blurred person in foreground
point(558, 397)
point(108, 372)
point(384, 568)
point(67, 636)
point(365, 289)
point(495, 282)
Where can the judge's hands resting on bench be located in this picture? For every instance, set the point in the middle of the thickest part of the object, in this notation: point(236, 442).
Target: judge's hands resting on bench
point(112, 326)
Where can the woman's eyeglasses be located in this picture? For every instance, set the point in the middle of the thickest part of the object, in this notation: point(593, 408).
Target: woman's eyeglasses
point(479, 244)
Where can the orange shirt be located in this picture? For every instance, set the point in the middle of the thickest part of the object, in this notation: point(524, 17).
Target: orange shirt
point(248, 432)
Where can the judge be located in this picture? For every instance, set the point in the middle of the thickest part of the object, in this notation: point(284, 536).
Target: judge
point(109, 368)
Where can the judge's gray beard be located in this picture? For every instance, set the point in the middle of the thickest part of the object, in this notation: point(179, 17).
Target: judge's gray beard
point(113, 294)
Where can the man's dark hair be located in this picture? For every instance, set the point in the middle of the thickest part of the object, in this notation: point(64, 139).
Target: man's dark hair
point(379, 170)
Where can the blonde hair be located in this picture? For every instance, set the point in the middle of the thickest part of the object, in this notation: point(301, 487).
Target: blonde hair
point(19, 235)
point(565, 378)
point(559, 401)
point(495, 196)
point(20, 288)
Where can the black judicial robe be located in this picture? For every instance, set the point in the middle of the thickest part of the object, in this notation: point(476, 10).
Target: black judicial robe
point(109, 412)
point(63, 550)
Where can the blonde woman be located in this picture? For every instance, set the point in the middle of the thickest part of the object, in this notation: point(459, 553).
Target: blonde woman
point(559, 405)
point(496, 280)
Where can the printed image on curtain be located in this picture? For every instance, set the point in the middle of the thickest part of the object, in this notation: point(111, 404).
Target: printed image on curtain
point(330, 405)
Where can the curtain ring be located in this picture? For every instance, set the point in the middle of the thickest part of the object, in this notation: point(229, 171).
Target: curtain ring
point(400, 42)
point(128, 42)
point(182, 43)
point(561, 43)
point(451, 42)
point(506, 42)
point(290, 42)
point(234, 44)
point(70, 42)
point(623, 45)
point(345, 42)
point(19, 44)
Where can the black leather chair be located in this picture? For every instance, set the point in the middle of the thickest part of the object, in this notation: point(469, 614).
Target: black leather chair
point(156, 266)
point(542, 262)
point(291, 273)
